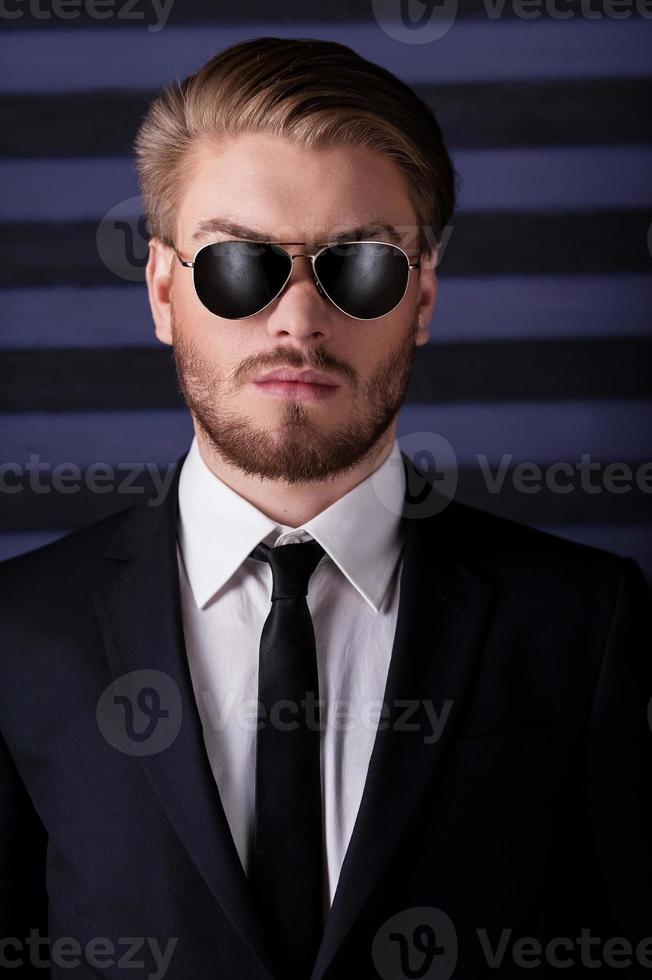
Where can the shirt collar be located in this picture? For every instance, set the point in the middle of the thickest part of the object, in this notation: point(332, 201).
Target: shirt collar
point(360, 532)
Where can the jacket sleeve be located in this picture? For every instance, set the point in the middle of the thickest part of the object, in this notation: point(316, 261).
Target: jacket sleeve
point(602, 878)
point(23, 897)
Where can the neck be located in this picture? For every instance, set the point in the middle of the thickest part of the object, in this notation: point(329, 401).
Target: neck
point(294, 504)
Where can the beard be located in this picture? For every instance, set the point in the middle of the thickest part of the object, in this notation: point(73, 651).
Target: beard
point(297, 450)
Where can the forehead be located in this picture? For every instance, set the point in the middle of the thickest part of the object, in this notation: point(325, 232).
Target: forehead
point(289, 193)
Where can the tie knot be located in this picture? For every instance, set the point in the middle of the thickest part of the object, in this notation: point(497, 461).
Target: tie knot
point(292, 565)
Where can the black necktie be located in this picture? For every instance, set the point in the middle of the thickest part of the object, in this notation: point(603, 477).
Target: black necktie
point(286, 867)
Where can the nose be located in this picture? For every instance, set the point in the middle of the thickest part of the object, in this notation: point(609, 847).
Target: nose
point(302, 310)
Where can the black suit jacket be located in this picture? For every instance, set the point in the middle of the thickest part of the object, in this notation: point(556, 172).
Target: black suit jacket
point(528, 819)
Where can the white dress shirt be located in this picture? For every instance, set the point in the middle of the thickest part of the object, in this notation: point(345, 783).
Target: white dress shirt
point(353, 601)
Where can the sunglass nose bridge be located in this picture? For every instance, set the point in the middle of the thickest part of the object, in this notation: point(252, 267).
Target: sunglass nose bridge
point(308, 255)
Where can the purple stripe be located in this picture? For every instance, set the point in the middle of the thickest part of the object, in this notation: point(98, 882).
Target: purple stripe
point(529, 307)
point(63, 316)
point(568, 178)
point(37, 60)
point(535, 431)
point(18, 542)
point(156, 437)
point(532, 431)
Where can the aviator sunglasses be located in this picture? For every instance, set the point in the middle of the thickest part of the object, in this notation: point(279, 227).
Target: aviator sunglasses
point(239, 278)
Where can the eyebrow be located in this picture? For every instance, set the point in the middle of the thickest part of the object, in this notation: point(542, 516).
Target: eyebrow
point(212, 226)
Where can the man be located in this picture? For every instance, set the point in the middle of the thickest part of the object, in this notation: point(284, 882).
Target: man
point(307, 717)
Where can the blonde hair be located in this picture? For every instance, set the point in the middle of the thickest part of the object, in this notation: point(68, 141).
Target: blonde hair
point(312, 92)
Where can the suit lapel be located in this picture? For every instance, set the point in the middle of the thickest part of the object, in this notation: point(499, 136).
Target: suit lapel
point(140, 616)
point(443, 606)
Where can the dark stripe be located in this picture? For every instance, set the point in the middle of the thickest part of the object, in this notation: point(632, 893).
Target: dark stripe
point(71, 124)
point(550, 113)
point(87, 379)
point(144, 378)
point(472, 116)
point(504, 242)
point(81, 502)
point(532, 307)
point(547, 505)
point(133, 13)
point(532, 370)
point(478, 244)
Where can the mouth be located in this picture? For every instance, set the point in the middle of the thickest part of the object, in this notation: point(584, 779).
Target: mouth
point(306, 386)
point(301, 377)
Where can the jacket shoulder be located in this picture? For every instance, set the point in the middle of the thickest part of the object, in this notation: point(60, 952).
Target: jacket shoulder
point(63, 563)
point(505, 547)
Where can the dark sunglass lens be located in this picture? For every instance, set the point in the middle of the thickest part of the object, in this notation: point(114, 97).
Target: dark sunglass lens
point(238, 279)
point(365, 279)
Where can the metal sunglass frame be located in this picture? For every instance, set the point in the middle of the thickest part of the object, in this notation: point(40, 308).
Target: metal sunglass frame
point(313, 256)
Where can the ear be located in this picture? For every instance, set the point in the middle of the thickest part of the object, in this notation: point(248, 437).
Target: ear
point(159, 286)
point(427, 297)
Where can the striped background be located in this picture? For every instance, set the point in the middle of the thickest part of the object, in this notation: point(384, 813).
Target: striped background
point(542, 338)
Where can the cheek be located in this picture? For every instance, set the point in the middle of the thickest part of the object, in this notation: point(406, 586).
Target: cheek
point(190, 314)
point(376, 341)
point(225, 346)
point(186, 308)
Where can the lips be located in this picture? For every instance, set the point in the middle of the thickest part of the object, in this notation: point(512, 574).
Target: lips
point(298, 377)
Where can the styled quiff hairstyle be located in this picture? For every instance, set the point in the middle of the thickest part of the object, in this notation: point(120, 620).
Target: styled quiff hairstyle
point(315, 93)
